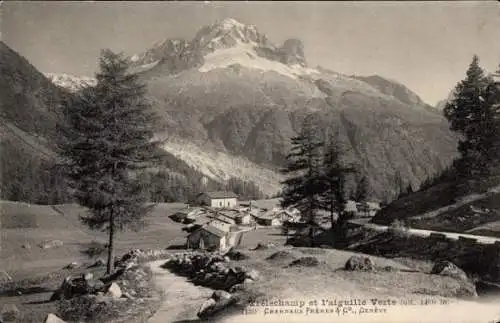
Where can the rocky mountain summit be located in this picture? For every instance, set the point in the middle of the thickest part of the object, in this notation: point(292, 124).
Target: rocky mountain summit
point(175, 55)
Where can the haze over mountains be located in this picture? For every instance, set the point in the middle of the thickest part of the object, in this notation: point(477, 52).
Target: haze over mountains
point(231, 99)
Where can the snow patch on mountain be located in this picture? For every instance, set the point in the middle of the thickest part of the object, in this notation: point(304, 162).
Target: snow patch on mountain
point(244, 54)
point(71, 82)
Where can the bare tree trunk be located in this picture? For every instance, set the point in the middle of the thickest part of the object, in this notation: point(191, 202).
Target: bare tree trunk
point(111, 247)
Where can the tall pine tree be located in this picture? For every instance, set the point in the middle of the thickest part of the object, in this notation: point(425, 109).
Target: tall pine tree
point(490, 143)
point(109, 139)
point(334, 176)
point(466, 115)
point(361, 192)
point(302, 188)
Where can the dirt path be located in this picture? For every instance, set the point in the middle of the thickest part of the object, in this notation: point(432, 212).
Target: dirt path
point(182, 298)
point(425, 233)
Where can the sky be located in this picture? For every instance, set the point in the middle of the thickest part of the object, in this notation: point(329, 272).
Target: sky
point(425, 45)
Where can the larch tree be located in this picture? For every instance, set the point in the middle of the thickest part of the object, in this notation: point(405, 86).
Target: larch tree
point(333, 195)
point(109, 138)
point(360, 193)
point(302, 187)
point(361, 190)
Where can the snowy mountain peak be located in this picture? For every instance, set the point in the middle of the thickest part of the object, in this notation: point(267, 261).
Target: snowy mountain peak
point(228, 33)
point(229, 23)
point(71, 82)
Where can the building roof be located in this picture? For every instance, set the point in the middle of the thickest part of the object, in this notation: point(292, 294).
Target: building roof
point(210, 229)
point(215, 231)
point(219, 194)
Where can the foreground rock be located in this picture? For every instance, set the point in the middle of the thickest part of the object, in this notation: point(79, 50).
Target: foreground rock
point(281, 256)
point(49, 244)
point(77, 287)
point(114, 290)
point(359, 263)
point(52, 318)
point(305, 262)
point(209, 270)
point(125, 295)
point(219, 301)
point(447, 268)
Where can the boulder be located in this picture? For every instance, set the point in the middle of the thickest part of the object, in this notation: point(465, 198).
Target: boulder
point(447, 268)
point(359, 263)
point(207, 307)
point(114, 290)
point(252, 274)
point(49, 244)
point(72, 265)
point(221, 295)
point(76, 287)
point(305, 262)
point(26, 246)
point(10, 313)
point(87, 276)
point(52, 318)
point(281, 256)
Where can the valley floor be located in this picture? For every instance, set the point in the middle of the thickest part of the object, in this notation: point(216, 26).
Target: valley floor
point(406, 280)
point(328, 281)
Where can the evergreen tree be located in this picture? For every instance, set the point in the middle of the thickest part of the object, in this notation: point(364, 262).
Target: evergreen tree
point(490, 143)
point(302, 188)
point(109, 140)
point(466, 115)
point(361, 192)
point(399, 184)
point(333, 195)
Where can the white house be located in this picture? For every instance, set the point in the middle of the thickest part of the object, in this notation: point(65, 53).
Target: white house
point(207, 237)
point(210, 236)
point(219, 199)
